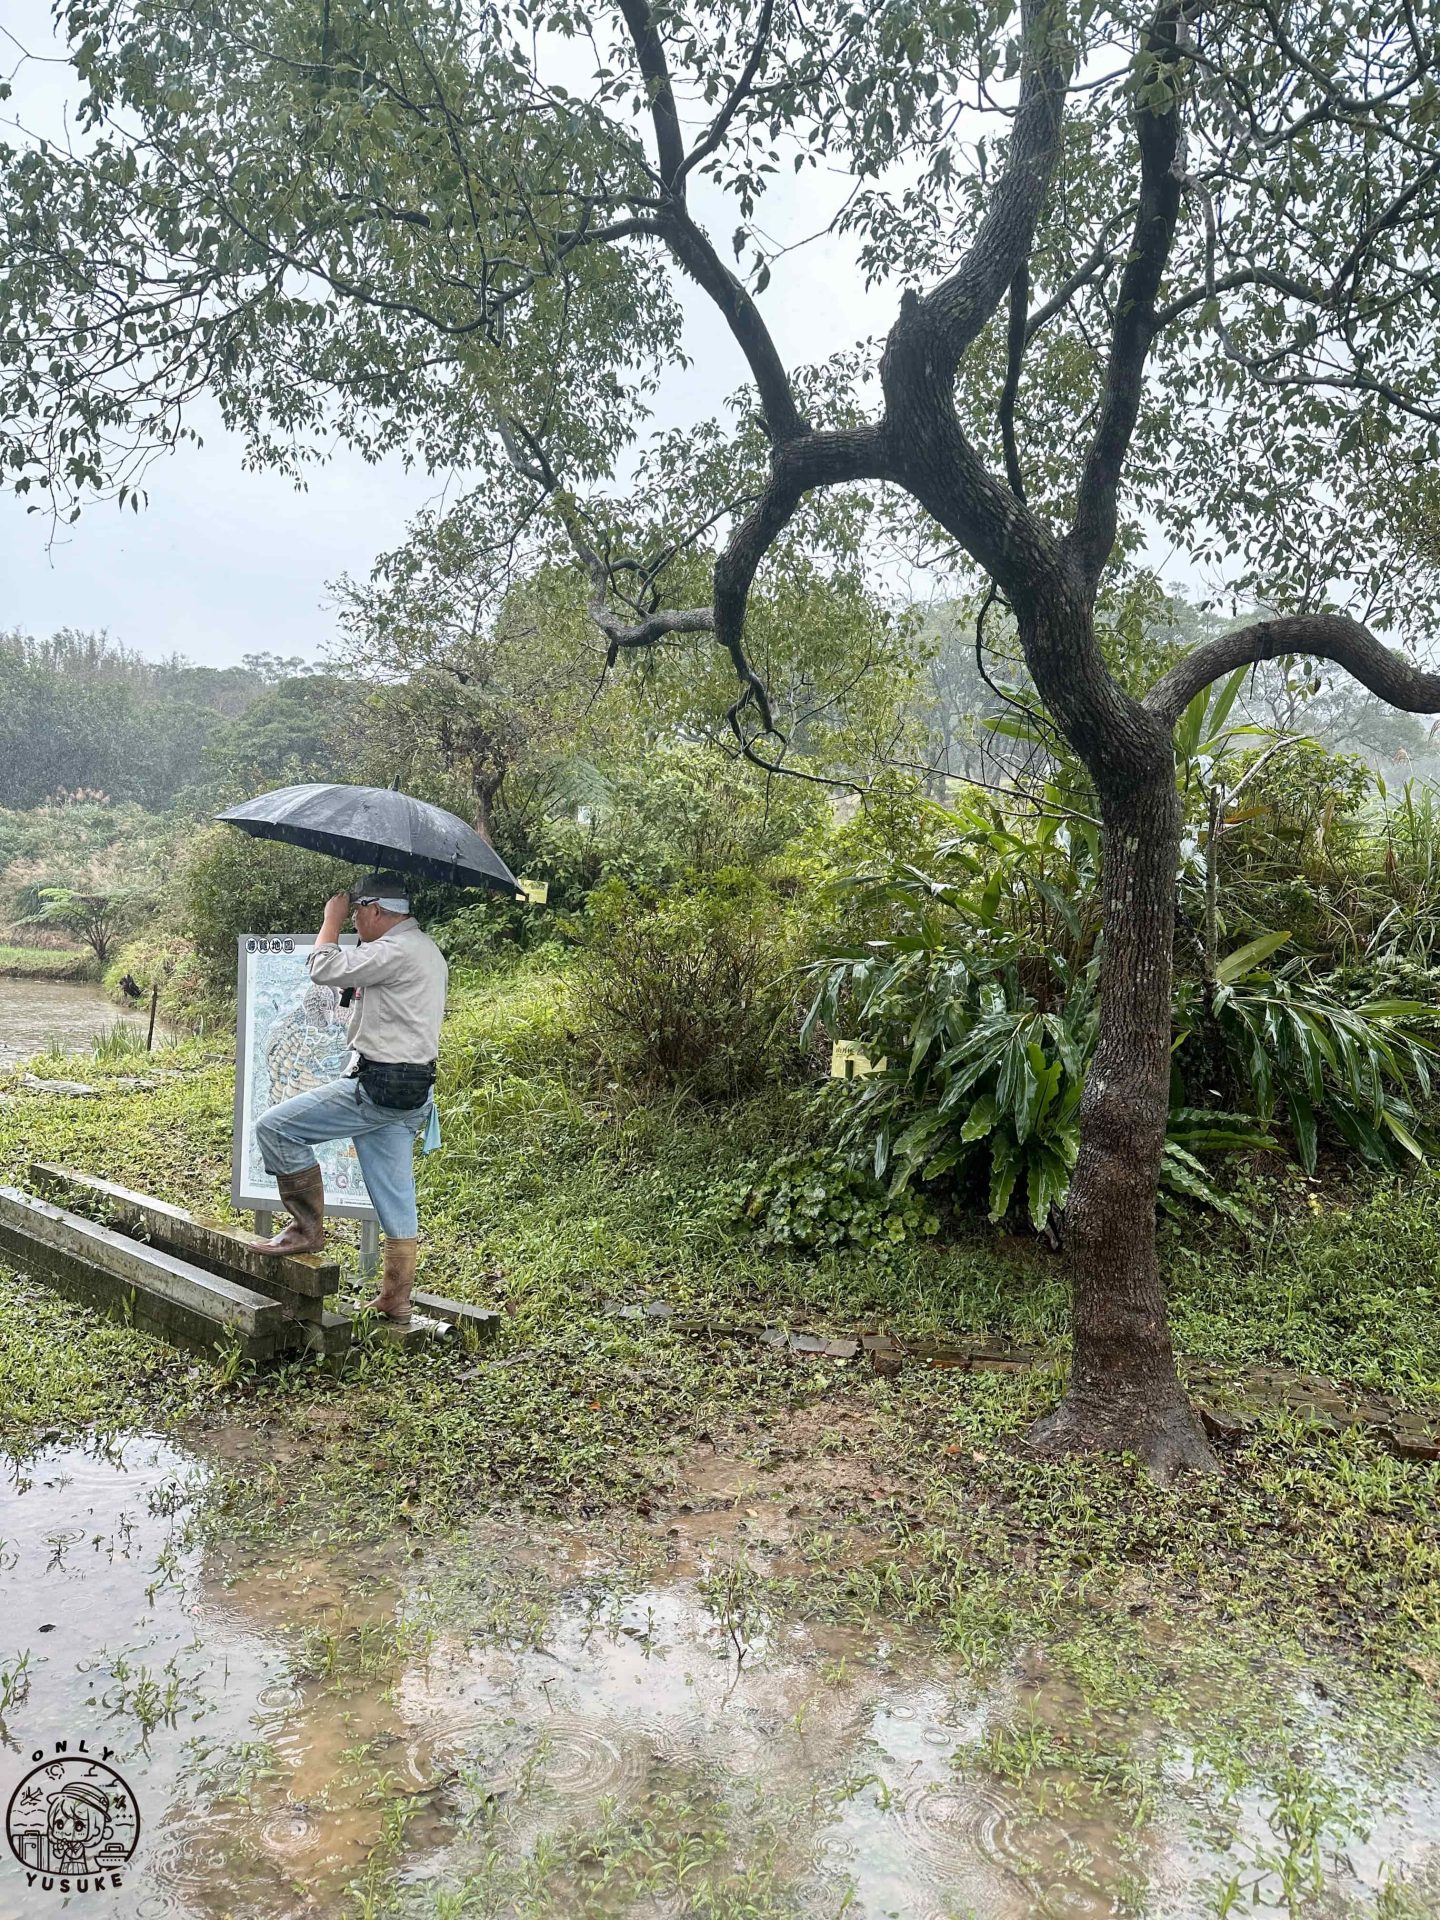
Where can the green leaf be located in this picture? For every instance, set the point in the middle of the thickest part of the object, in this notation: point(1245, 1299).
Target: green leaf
point(1188, 728)
point(1302, 1119)
point(1393, 1124)
point(1005, 1162)
point(1245, 959)
point(1048, 1181)
point(1224, 701)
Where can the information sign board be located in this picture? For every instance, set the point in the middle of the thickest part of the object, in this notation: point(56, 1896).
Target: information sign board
point(289, 1037)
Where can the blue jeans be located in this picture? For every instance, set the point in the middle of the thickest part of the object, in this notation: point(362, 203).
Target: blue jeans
point(384, 1144)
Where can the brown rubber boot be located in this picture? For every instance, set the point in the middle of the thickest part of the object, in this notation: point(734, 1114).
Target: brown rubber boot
point(393, 1299)
point(303, 1197)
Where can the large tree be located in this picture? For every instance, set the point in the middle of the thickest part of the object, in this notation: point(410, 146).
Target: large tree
point(1169, 265)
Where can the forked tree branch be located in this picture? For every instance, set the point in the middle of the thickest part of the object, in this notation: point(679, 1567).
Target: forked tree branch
point(1324, 636)
point(930, 454)
point(810, 460)
point(1098, 264)
point(687, 239)
point(952, 314)
point(1092, 536)
point(655, 72)
point(735, 99)
point(528, 457)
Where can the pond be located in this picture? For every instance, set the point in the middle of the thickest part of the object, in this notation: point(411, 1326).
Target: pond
point(57, 1016)
point(537, 1719)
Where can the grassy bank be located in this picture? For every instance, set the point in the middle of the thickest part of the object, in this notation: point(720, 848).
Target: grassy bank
point(44, 963)
point(555, 1204)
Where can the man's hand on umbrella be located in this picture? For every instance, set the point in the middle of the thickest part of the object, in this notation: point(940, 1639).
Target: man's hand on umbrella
point(337, 912)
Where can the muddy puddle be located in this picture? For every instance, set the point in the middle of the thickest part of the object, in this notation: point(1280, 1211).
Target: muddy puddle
point(546, 1721)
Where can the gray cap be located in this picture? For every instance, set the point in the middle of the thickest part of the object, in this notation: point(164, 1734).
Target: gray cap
point(387, 890)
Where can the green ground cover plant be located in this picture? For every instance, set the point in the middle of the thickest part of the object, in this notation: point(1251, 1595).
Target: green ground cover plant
point(43, 963)
point(556, 1206)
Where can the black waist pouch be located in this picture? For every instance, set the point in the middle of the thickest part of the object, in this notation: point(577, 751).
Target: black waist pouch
point(394, 1083)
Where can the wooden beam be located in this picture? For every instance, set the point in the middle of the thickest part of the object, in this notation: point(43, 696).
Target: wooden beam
point(482, 1322)
point(224, 1250)
point(160, 1292)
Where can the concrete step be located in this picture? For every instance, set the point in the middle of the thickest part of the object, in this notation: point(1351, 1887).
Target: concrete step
point(223, 1250)
point(159, 1291)
point(329, 1336)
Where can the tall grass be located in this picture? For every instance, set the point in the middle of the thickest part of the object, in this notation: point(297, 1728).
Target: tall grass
point(121, 1040)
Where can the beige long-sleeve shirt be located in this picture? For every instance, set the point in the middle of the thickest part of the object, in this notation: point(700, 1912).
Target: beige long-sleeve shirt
point(399, 983)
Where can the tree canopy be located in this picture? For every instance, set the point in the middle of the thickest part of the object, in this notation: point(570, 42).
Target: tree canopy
point(460, 231)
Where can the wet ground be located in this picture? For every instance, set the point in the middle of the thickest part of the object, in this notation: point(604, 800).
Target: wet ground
point(557, 1720)
point(56, 1016)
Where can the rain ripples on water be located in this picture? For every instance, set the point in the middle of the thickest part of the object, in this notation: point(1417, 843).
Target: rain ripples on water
point(519, 1717)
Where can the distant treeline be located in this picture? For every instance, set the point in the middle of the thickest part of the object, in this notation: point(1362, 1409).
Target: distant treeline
point(82, 714)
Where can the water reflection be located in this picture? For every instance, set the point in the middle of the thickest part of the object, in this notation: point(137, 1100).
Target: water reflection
point(520, 1725)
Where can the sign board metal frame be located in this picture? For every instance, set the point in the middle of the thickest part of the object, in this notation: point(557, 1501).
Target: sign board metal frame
point(247, 1195)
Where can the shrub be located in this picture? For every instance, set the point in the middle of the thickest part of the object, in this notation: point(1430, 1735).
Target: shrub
point(688, 993)
point(97, 917)
point(895, 820)
point(1362, 1070)
point(187, 997)
point(688, 813)
point(978, 1008)
point(233, 885)
point(816, 1202)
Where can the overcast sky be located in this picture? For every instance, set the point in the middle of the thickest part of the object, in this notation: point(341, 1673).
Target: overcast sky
point(225, 562)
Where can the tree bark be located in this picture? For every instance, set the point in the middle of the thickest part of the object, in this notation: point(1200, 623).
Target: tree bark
point(485, 789)
point(1124, 1393)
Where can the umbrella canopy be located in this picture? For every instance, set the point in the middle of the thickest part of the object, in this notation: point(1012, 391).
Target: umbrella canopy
point(375, 827)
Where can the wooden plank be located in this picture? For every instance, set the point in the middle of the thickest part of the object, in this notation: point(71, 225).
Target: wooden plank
point(68, 1241)
point(483, 1322)
point(224, 1250)
point(154, 1302)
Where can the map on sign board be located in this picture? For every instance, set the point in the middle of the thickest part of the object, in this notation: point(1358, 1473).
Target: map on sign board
point(289, 1037)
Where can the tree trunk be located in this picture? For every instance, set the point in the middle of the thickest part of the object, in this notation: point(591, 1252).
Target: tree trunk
point(1124, 1394)
point(485, 792)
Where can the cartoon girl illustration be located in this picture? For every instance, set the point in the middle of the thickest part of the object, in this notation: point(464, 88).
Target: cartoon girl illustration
point(76, 1829)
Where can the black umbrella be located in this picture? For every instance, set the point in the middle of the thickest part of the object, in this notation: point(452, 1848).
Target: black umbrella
point(375, 827)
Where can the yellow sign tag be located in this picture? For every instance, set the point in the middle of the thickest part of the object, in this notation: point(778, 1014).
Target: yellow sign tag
point(534, 892)
point(848, 1061)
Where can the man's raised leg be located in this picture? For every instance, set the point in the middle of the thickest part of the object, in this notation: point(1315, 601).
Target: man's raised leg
point(287, 1134)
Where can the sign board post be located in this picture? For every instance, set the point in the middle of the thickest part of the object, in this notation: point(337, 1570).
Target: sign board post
point(289, 1037)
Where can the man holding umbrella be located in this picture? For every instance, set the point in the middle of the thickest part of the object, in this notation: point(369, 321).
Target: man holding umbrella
point(397, 977)
point(394, 983)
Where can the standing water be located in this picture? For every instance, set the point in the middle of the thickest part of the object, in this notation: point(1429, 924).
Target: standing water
point(57, 1016)
point(522, 1723)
